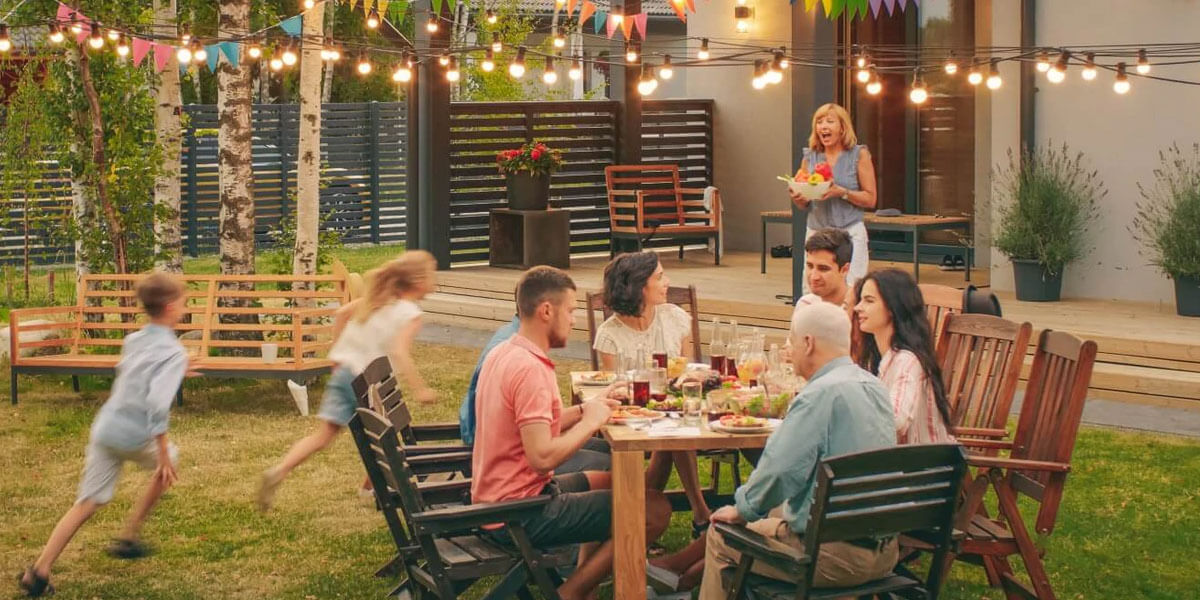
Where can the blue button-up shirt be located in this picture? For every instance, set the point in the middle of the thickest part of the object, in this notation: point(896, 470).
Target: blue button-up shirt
point(466, 412)
point(151, 369)
point(843, 409)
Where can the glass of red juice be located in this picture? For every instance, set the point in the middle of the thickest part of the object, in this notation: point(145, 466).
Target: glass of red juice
point(717, 363)
point(641, 392)
point(660, 359)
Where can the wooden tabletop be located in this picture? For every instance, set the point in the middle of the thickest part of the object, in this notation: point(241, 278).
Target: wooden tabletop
point(623, 438)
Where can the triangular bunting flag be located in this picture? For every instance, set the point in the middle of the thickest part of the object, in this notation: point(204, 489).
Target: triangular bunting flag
point(839, 6)
point(162, 54)
point(890, 5)
point(679, 11)
point(875, 7)
point(437, 7)
point(396, 10)
point(691, 4)
point(87, 28)
point(599, 22)
point(291, 26)
point(585, 11)
point(611, 24)
point(639, 22)
point(214, 55)
point(571, 7)
point(64, 12)
point(140, 48)
point(231, 50)
point(627, 26)
point(366, 7)
point(382, 5)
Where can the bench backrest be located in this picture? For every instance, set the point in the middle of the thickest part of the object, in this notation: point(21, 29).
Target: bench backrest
point(659, 186)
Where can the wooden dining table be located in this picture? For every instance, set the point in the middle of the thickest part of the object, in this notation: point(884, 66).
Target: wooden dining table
point(629, 492)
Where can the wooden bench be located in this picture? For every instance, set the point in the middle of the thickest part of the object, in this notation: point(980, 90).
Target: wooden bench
point(647, 200)
point(227, 321)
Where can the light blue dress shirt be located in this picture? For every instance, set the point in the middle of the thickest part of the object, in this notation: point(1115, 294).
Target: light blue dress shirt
point(152, 366)
point(466, 411)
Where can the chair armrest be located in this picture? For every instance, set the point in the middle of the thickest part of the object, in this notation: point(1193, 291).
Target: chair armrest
point(412, 451)
point(431, 432)
point(461, 518)
point(980, 432)
point(690, 190)
point(456, 491)
point(784, 558)
point(985, 444)
point(1017, 463)
point(450, 462)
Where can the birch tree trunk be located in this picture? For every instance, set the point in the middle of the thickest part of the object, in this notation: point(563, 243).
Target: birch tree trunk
point(327, 84)
point(116, 232)
point(168, 106)
point(308, 155)
point(236, 178)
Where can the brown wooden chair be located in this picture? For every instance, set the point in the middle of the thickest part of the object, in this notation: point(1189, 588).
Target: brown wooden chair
point(378, 378)
point(981, 358)
point(645, 201)
point(940, 302)
point(684, 297)
point(1037, 465)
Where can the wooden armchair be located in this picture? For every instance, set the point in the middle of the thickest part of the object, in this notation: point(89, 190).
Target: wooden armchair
point(378, 375)
point(865, 495)
point(981, 358)
point(441, 550)
point(941, 301)
point(684, 297)
point(647, 200)
point(1037, 465)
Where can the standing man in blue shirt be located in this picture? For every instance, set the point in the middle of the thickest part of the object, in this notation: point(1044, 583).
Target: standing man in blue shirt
point(131, 426)
point(843, 409)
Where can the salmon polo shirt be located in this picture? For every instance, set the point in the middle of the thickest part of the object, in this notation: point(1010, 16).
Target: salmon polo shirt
point(516, 387)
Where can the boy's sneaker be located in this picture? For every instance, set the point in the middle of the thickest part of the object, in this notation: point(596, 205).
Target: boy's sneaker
point(128, 549)
point(34, 585)
point(271, 478)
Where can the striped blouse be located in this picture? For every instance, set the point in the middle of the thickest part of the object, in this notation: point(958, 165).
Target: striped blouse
point(917, 417)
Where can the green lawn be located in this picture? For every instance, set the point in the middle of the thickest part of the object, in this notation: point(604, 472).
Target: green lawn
point(1129, 528)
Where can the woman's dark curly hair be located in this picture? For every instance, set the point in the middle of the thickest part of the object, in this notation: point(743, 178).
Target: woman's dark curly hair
point(904, 302)
point(625, 280)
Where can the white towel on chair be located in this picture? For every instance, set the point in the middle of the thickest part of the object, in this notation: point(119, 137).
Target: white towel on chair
point(710, 192)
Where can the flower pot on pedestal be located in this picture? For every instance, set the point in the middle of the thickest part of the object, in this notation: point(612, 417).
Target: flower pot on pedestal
point(527, 191)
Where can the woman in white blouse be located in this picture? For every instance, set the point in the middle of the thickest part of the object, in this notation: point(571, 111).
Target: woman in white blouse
point(635, 289)
point(897, 346)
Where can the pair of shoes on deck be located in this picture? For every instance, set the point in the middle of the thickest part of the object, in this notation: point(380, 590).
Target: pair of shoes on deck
point(953, 263)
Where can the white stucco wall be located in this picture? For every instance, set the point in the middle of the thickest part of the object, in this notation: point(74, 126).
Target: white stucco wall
point(1121, 135)
point(752, 128)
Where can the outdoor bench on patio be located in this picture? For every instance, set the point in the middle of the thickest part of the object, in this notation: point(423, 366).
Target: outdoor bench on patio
point(228, 320)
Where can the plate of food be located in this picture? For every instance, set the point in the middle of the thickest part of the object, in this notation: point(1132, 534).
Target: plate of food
point(742, 424)
point(597, 377)
point(671, 404)
point(624, 414)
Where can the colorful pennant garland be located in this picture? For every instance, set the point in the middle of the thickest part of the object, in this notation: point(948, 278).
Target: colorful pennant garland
point(852, 9)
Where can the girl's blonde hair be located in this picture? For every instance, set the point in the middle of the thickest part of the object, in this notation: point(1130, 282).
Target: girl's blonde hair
point(849, 139)
point(397, 276)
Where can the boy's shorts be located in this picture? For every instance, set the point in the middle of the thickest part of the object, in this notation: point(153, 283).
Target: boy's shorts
point(339, 402)
point(102, 468)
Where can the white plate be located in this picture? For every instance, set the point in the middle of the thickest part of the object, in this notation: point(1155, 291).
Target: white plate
point(770, 426)
point(584, 380)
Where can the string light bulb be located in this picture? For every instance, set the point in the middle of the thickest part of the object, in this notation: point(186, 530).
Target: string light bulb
point(1143, 62)
point(254, 51)
point(783, 59)
point(1121, 83)
point(5, 41)
point(861, 61)
point(113, 35)
point(703, 53)
point(1089, 67)
point(1043, 61)
point(741, 17)
point(364, 66)
point(185, 37)
point(431, 25)
point(862, 73)
point(560, 40)
point(453, 75)
point(774, 73)
point(993, 79)
point(95, 40)
point(122, 46)
point(616, 17)
point(404, 71)
point(875, 85)
point(631, 53)
point(326, 50)
point(1058, 72)
point(951, 66)
point(76, 24)
point(974, 77)
point(276, 62)
point(56, 34)
point(759, 81)
point(516, 68)
point(549, 75)
point(373, 18)
point(335, 52)
point(199, 53)
point(444, 59)
point(647, 84)
point(497, 46)
point(667, 71)
point(918, 94)
point(289, 55)
point(489, 61)
point(576, 70)
point(308, 4)
point(490, 16)
point(183, 55)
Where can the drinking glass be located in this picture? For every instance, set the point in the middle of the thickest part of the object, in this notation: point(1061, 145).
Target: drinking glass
point(693, 403)
point(658, 384)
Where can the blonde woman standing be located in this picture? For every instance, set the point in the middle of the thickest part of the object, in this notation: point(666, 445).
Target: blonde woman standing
point(833, 141)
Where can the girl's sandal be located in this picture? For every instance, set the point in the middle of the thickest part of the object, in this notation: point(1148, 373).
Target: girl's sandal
point(37, 586)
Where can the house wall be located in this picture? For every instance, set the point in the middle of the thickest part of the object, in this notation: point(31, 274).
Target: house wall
point(752, 128)
point(1120, 135)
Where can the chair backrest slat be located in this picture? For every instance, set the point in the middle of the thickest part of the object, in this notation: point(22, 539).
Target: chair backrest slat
point(1050, 417)
point(981, 358)
point(940, 302)
point(684, 297)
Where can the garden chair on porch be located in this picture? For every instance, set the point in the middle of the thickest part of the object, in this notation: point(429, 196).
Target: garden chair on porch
point(645, 201)
point(981, 358)
point(861, 496)
point(1037, 465)
point(443, 551)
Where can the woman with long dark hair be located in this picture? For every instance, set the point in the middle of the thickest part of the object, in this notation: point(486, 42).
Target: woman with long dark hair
point(897, 346)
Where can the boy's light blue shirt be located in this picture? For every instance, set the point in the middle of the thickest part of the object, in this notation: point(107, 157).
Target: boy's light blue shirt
point(466, 411)
point(843, 409)
point(152, 366)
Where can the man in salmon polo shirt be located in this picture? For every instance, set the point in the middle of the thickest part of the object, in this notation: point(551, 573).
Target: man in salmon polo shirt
point(523, 433)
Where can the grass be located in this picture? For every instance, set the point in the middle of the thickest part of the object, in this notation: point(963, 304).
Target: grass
point(1129, 527)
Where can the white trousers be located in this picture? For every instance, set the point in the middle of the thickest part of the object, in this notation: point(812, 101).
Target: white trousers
point(859, 258)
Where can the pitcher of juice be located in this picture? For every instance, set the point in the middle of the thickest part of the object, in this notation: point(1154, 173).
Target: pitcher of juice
point(752, 364)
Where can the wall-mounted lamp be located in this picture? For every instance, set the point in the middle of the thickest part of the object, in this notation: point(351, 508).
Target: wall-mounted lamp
point(742, 15)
